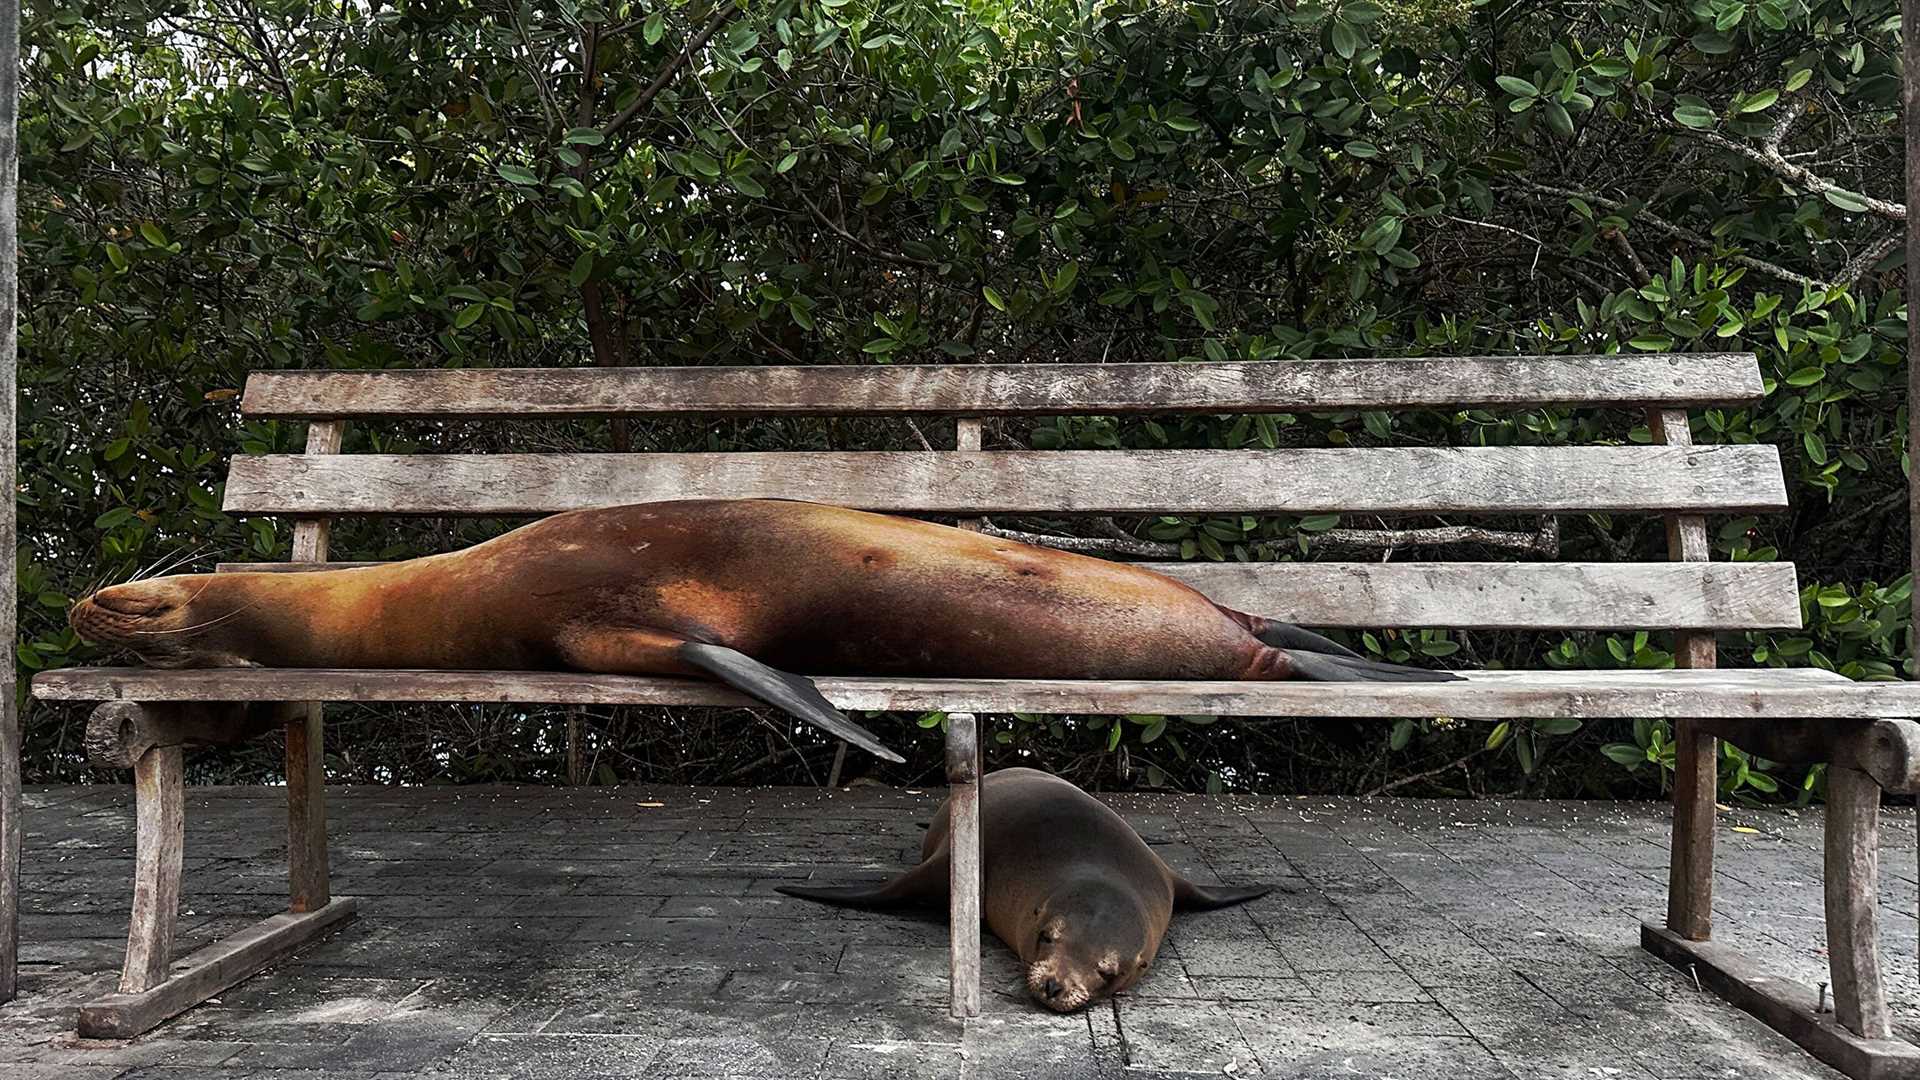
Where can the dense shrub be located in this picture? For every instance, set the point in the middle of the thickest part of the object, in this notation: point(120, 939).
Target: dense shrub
point(214, 186)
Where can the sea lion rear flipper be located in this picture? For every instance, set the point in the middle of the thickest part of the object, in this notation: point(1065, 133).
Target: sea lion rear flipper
point(794, 693)
point(1319, 667)
point(1286, 636)
point(928, 881)
point(1190, 897)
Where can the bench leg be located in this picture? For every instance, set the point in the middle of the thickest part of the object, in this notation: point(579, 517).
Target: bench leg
point(159, 799)
point(153, 987)
point(1852, 1030)
point(1696, 771)
point(1852, 896)
point(307, 882)
point(963, 775)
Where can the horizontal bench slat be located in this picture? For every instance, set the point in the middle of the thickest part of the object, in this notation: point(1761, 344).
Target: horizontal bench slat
point(1482, 695)
point(1521, 479)
point(1472, 596)
point(1011, 389)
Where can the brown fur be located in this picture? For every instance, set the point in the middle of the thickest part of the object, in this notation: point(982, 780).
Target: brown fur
point(1065, 882)
point(799, 586)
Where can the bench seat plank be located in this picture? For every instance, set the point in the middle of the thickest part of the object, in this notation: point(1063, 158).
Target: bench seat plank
point(1507, 479)
point(1467, 595)
point(1692, 379)
point(1777, 694)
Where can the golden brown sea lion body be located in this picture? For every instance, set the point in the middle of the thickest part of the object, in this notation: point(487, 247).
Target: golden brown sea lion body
point(743, 590)
point(1065, 882)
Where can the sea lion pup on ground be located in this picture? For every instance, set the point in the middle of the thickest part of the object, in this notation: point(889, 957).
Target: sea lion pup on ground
point(744, 591)
point(1065, 882)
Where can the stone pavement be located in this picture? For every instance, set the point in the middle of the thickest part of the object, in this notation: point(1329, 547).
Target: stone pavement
point(634, 932)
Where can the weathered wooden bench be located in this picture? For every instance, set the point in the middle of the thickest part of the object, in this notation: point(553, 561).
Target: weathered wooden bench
point(1788, 715)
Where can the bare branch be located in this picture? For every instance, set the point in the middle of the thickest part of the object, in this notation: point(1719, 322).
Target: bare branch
point(1086, 545)
point(1545, 542)
point(1769, 155)
point(1873, 253)
point(725, 12)
point(1660, 224)
point(840, 231)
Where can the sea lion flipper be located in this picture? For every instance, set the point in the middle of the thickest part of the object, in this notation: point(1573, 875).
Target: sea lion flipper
point(1319, 667)
point(783, 690)
point(1190, 897)
point(927, 881)
point(1286, 636)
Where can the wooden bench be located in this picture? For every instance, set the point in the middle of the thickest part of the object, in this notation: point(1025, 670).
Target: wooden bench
point(1788, 715)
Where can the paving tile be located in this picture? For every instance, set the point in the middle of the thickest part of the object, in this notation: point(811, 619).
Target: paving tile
point(560, 933)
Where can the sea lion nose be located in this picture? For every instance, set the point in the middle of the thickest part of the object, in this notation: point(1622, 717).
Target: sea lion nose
point(1053, 988)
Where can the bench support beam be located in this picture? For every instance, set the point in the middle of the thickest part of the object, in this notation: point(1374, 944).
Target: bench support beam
point(963, 844)
point(1789, 1007)
point(209, 972)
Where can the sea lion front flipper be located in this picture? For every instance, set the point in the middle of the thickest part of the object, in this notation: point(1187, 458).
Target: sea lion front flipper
point(783, 690)
point(926, 882)
point(1190, 897)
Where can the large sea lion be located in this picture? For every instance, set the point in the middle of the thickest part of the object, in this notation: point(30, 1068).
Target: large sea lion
point(744, 591)
point(1065, 882)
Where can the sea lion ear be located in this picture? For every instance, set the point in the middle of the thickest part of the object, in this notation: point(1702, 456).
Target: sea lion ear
point(1190, 897)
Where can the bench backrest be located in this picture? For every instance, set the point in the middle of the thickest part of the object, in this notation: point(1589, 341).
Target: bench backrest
point(1672, 477)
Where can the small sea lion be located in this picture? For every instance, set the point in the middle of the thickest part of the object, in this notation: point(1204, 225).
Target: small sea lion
point(744, 591)
point(1065, 882)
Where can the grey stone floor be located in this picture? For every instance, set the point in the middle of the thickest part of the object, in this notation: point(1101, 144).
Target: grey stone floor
point(634, 932)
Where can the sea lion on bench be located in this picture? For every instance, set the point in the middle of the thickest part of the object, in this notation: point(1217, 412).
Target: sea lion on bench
point(743, 591)
point(1065, 882)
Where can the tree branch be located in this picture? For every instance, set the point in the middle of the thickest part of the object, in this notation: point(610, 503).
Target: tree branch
point(1768, 154)
point(1660, 224)
point(1086, 545)
point(727, 10)
point(1545, 542)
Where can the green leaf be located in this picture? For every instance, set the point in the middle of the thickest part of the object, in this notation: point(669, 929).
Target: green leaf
point(1499, 734)
point(1798, 79)
point(585, 136)
point(747, 185)
point(1401, 736)
point(786, 163)
point(1557, 118)
point(1696, 117)
point(516, 174)
point(1064, 280)
point(116, 256)
point(1762, 100)
point(993, 297)
point(1625, 754)
point(1845, 200)
point(468, 316)
point(1517, 87)
point(1121, 148)
point(1345, 41)
point(1183, 123)
point(1557, 725)
point(1035, 137)
point(654, 27)
point(153, 234)
point(582, 270)
point(1807, 376)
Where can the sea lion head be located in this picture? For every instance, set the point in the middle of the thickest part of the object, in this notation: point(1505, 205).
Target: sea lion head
point(186, 620)
point(1092, 939)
